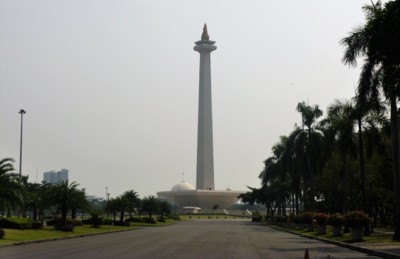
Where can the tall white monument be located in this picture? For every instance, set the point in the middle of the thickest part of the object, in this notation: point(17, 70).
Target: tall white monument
point(205, 154)
point(204, 196)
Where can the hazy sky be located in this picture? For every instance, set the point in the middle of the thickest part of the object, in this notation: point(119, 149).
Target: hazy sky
point(111, 87)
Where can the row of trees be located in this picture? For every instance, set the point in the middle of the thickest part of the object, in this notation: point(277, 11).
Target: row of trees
point(349, 159)
point(23, 198)
point(129, 202)
point(20, 197)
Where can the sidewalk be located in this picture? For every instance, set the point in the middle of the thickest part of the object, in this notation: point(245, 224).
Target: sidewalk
point(381, 249)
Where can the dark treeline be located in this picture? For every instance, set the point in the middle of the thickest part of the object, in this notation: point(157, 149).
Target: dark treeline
point(348, 159)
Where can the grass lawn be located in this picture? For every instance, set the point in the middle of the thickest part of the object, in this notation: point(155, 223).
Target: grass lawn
point(16, 236)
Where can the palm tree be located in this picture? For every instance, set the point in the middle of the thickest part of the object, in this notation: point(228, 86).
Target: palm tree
point(339, 126)
point(165, 208)
point(309, 140)
point(67, 197)
point(150, 204)
point(10, 187)
point(132, 201)
point(377, 41)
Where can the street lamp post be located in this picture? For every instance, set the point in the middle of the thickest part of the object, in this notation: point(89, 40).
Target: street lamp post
point(22, 112)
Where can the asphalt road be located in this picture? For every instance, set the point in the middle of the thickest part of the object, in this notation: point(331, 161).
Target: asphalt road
point(188, 239)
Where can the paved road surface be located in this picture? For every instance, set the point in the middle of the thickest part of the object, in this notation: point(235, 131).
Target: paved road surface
point(188, 239)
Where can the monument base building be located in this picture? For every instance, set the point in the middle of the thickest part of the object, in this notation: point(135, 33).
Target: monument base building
point(185, 195)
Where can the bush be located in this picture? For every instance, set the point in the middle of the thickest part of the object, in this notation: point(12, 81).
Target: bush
point(150, 220)
point(356, 219)
point(307, 217)
point(67, 226)
point(321, 218)
point(159, 219)
point(122, 223)
point(73, 222)
point(107, 222)
point(176, 217)
point(2, 233)
point(335, 220)
point(19, 223)
point(135, 219)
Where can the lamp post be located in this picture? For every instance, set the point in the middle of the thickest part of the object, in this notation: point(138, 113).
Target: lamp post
point(22, 112)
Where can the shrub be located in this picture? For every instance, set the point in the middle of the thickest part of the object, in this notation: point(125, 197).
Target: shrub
point(107, 222)
point(135, 219)
point(335, 220)
point(2, 233)
point(122, 223)
point(19, 223)
point(68, 225)
point(307, 217)
point(356, 219)
point(150, 220)
point(321, 218)
point(162, 219)
point(176, 217)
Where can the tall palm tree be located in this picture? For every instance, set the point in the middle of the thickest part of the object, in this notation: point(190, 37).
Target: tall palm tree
point(339, 126)
point(309, 139)
point(377, 41)
point(369, 117)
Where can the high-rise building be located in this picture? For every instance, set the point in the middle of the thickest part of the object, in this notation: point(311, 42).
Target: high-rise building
point(55, 177)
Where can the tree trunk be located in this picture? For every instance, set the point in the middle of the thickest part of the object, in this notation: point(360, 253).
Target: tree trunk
point(362, 164)
point(346, 185)
point(395, 157)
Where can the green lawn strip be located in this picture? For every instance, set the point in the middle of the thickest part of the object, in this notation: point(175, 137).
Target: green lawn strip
point(17, 236)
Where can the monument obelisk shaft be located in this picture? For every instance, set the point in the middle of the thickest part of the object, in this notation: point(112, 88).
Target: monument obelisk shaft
point(205, 154)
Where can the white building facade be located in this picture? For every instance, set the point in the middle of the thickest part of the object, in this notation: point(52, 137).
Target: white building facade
point(56, 177)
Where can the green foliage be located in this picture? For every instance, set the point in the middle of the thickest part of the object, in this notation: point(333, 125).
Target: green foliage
point(122, 223)
point(10, 188)
point(2, 233)
point(150, 220)
point(64, 225)
point(135, 219)
point(107, 222)
point(356, 219)
point(150, 204)
point(335, 220)
point(307, 217)
point(19, 223)
point(321, 218)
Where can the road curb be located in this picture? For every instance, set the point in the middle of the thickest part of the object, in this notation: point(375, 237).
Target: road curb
point(349, 246)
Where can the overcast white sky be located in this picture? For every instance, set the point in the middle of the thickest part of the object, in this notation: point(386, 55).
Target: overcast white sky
point(111, 87)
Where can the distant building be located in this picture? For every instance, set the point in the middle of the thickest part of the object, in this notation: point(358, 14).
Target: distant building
point(56, 177)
